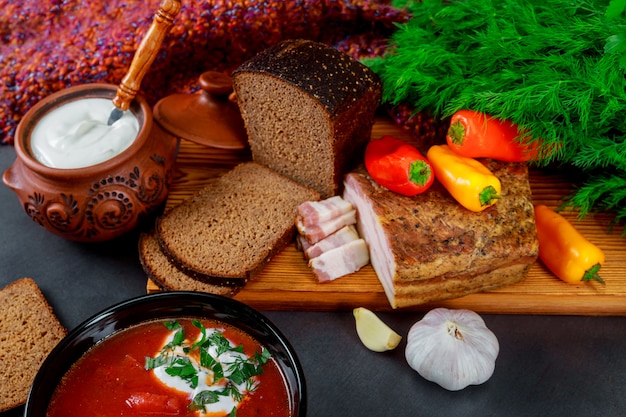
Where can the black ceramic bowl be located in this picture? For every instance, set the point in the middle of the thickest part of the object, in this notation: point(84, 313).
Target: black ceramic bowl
point(158, 306)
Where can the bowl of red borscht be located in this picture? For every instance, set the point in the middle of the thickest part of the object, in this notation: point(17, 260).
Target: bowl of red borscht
point(182, 354)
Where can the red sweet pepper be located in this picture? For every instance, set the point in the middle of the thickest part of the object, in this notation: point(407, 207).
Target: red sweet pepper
point(398, 166)
point(478, 135)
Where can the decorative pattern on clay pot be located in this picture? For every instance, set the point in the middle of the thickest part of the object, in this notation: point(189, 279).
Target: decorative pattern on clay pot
point(114, 203)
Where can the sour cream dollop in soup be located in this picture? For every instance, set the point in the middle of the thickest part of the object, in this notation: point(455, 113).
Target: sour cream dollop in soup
point(76, 135)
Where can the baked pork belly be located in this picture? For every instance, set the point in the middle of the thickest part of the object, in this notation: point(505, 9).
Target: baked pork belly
point(428, 247)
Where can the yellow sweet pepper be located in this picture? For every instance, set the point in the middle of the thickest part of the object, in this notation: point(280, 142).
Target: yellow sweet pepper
point(471, 183)
point(564, 250)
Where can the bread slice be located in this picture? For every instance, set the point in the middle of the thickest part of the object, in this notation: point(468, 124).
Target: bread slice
point(169, 278)
point(29, 330)
point(228, 232)
point(308, 110)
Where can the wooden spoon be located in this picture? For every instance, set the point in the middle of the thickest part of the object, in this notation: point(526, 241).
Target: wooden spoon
point(144, 56)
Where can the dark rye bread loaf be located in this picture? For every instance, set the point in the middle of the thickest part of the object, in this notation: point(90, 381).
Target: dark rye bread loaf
point(429, 248)
point(29, 330)
point(308, 110)
point(227, 233)
point(169, 278)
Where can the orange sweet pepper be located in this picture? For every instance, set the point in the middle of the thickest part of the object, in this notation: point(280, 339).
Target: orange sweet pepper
point(564, 250)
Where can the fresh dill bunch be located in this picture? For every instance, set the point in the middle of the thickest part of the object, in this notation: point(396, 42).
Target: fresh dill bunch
point(607, 191)
point(556, 68)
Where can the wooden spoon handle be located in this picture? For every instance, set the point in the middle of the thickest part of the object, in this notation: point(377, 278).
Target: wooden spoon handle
point(145, 54)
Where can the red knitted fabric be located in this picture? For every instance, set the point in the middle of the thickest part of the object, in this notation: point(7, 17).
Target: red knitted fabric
point(49, 45)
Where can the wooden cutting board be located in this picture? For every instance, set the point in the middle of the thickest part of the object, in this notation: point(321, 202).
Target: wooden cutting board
point(288, 284)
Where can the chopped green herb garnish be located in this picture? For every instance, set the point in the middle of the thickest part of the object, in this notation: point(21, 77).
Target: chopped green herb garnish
point(172, 325)
point(239, 370)
point(152, 363)
point(205, 397)
point(220, 342)
point(203, 331)
point(184, 369)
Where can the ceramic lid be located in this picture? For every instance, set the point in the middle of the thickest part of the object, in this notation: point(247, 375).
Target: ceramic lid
point(208, 117)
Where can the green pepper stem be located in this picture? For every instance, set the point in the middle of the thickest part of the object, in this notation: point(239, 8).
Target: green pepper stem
point(419, 172)
point(457, 133)
point(592, 274)
point(487, 195)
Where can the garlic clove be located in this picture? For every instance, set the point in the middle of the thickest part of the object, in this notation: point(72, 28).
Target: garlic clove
point(453, 348)
point(375, 334)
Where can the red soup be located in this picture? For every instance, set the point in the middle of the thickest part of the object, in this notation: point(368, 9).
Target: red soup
point(182, 367)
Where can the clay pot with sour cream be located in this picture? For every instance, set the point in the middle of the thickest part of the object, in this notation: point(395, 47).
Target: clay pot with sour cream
point(102, 200)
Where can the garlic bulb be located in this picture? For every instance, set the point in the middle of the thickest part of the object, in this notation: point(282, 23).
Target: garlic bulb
point(453, 348)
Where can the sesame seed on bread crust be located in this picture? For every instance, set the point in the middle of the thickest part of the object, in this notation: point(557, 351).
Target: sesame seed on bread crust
point(29, 330)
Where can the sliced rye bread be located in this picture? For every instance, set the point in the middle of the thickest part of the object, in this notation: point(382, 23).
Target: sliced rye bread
point(169, 278)
point(308, 109)
point(29, 330)
point(230, 230)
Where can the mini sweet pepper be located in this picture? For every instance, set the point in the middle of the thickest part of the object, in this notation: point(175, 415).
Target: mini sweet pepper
point(398, 166)
point(470, 182)
point(564, 250)
point(478, 135)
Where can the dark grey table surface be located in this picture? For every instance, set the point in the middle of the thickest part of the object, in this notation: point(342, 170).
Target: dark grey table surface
point(547, 366)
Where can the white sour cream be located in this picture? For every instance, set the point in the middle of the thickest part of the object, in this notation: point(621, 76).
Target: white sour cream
point(76, 135)
point(206, 380)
